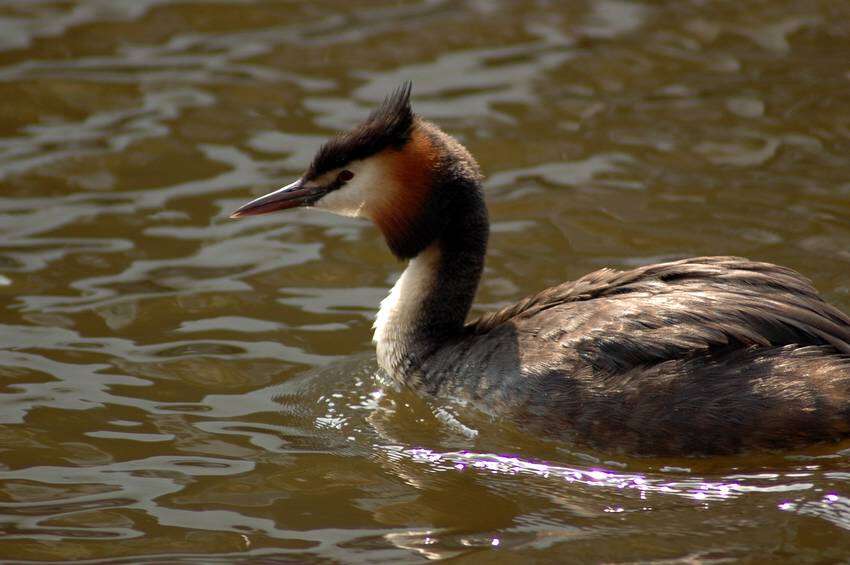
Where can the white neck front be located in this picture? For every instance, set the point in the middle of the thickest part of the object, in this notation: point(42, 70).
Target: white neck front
point(401, 311)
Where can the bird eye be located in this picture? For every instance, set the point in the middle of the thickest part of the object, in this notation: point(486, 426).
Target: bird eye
point(345, 175)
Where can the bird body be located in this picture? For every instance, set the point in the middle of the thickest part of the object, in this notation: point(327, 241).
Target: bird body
point(694, 357)
point(701, 356)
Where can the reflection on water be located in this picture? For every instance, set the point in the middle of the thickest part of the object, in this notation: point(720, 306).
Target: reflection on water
point(175, 386)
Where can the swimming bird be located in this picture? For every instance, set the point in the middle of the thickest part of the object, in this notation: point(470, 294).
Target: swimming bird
point(702, 356)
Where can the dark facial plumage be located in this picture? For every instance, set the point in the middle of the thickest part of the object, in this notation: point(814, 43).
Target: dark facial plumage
point(389, 125)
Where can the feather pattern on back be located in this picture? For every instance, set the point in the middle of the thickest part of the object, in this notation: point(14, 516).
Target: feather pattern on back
point(622, 319)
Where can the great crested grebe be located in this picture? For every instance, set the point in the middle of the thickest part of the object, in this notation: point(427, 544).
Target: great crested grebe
point(703, 356)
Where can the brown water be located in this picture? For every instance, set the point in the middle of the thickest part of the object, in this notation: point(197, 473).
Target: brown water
point(177, 386)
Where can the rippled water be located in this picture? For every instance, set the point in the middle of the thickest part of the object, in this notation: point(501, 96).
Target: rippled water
point(177, 386)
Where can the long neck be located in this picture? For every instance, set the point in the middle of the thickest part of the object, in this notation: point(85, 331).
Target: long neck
point(428, 305)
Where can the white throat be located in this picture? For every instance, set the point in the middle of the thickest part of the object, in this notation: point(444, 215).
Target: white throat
point(401, 309)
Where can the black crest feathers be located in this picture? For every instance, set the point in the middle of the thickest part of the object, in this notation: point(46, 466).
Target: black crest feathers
point(388, 125)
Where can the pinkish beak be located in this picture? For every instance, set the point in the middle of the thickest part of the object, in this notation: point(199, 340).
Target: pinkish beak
point(290, 196)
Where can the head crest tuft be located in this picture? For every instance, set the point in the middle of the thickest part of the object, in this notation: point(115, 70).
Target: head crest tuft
point(389, 125)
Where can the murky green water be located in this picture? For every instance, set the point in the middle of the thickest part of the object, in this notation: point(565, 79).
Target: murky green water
point(177, 386)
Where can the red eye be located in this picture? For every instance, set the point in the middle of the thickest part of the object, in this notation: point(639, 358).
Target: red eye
point(345, 175)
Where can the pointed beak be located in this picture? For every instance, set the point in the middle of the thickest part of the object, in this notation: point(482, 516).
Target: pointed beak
point(290, 196)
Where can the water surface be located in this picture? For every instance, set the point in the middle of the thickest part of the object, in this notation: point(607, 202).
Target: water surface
point(176, 386)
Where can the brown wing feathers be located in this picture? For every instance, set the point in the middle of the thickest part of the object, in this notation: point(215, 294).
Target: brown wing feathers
point(670, 310)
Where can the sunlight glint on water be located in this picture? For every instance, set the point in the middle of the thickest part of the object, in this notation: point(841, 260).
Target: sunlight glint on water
point(178, 387)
